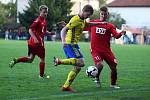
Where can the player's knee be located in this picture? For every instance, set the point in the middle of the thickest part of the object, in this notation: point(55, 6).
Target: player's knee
point(78, 69)
point(113, 67)
point(82, 65)
point(99, 64)
point(42, 60)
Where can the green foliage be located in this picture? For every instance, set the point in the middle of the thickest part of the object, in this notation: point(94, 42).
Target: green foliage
point(7, 13)
point(114, 18)
point(95, 15)
point(102, 2)
point(58, 10)
point(3, 13)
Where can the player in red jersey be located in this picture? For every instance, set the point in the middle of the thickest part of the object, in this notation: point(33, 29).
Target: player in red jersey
point(100, 46)
point(36, 42)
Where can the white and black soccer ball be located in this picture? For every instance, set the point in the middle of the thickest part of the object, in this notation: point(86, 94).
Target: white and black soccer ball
point(91, 71)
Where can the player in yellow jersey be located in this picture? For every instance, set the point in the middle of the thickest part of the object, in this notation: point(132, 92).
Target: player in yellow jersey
point(70, 36)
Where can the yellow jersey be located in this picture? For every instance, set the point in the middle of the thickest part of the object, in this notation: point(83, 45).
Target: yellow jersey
point(75, 29)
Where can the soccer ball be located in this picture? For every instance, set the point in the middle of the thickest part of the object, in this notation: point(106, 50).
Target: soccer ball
point(91, 71)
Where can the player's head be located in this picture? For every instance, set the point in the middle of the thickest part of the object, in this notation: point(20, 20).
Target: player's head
point(104, 13)
point(43, 11)
point(87, 11)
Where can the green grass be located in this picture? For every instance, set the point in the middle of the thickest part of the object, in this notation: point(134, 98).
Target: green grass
point(22, 82)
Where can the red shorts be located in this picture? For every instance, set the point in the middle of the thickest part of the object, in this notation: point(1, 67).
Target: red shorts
point(36, 50)
point(107, 56)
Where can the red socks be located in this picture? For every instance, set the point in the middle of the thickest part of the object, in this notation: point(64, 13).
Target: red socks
point(42, 67)
point(23, 59)
point(113, 77)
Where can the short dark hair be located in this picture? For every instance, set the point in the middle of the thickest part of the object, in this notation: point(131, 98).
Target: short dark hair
point(104, 8)
point(43, 7)
point(88, 8)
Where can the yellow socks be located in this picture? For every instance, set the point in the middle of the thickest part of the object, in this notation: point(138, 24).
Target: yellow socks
point(71, 76)
point(70, 61)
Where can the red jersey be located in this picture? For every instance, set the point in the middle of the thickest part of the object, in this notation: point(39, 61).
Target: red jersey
point(101, 35)
point(39, 29)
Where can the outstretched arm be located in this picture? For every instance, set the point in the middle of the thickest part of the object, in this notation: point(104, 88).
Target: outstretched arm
point(50, 33)
point(94, 23)
point(61, 24)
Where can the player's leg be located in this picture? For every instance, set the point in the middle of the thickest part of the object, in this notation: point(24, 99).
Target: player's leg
point(99, 66)
point(98, 60)
point(42, 68)
point(72, 75)
point(112, 62)
point(29, 59)
point(68, 61)
point(72, 53)
point(41, 54)
point(21, 59)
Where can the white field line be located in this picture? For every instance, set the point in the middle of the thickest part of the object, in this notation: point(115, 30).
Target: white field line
point(83, 94)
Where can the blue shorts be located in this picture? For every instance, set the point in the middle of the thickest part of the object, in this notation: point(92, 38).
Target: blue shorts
point(73, 51)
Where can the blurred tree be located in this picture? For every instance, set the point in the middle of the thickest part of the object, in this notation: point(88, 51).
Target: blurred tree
point(102, 3)
point(3, 13)
point(58, 10)
point(95, 15)
point(12, 12)
point(116, 19)
point(7, 14)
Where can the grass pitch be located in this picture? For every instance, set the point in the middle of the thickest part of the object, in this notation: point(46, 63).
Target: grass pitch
point(22, 82)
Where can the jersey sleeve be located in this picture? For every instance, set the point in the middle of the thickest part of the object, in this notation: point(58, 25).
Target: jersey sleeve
point(114, 32)
point(34, 25)
point(73, 22)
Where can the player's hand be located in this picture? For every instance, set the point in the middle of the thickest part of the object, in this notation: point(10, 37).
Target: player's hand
point(52, 33)
point(61, 24)
point(123, 32)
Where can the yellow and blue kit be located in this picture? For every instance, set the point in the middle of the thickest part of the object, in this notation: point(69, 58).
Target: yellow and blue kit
point(75, 29)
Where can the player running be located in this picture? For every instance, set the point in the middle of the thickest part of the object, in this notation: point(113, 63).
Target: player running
point(100, 46)
point(36, 42)
point(70, 36)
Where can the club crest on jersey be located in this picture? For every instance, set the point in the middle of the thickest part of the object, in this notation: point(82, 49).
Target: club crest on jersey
point(100, 30)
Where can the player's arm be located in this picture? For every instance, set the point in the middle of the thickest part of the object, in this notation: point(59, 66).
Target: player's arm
point(116, 34)
point(95, 23)
point(50, 33)
point(32, 30)
point(61, 24)
point(88, 24)
point(63, 35)
point(74, 22)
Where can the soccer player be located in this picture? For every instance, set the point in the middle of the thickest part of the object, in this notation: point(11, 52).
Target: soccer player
point(100, 46)
point(36, 42)
point(70, 36)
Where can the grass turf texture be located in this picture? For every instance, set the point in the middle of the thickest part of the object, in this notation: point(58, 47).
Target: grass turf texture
point(22, 82)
